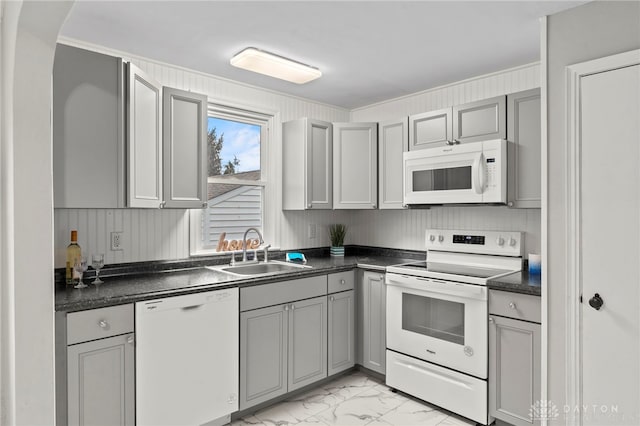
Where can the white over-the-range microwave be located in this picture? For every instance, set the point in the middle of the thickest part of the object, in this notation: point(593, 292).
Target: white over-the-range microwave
point(470, 173)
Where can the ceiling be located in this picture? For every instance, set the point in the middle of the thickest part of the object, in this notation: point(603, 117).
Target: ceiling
point(368, 51)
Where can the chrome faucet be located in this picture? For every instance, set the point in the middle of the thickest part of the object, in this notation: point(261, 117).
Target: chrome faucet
point(244, 243)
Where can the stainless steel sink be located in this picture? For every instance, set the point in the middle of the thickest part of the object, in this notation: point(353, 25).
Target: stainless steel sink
point(269, 268)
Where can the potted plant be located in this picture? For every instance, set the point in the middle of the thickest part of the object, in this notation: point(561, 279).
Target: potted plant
point(336, 234)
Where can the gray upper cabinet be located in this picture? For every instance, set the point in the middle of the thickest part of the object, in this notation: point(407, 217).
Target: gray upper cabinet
point(307, 165)
point(475, 121)
point(341, 337)
point(307, 342)
point(514, 357)
point(88, 129)
point(355, 165)
point(481, 120)
point(371, 310)
point(185, 145)
point(108, 136)
point(144, 144)
point(430, 129)
point(524, 136)
point(393, 141)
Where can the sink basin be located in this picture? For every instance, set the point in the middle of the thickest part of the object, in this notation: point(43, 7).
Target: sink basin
point(268, 268)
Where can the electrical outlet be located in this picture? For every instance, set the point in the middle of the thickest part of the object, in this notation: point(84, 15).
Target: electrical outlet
point(116, 241)
point(312, 231)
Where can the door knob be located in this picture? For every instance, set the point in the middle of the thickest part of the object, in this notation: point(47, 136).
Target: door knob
point(596, 302)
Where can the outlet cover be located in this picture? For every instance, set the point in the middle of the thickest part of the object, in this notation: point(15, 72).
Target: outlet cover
point(116, 241)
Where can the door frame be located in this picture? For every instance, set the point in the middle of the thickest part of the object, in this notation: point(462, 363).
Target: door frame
point(573, 322)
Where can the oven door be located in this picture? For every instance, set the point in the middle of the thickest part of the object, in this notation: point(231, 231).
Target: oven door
point(440, 322)
point(454, 174)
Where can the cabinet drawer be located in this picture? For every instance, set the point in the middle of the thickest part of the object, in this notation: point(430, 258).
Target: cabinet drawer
point(341, 281)
point(260, 296)
point(515, 305)
point(99, 323)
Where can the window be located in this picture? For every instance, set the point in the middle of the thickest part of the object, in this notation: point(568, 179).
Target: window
point(237, 141)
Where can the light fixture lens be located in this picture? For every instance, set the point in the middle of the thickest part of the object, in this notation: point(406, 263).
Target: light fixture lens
point(266, 63)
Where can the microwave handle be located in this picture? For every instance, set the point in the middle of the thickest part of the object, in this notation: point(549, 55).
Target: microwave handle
point(478, 176)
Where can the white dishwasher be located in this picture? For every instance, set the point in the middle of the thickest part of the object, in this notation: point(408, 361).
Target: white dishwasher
point(187, 359)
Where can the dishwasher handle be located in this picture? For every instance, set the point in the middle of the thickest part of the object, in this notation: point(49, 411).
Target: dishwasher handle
point(192, 307)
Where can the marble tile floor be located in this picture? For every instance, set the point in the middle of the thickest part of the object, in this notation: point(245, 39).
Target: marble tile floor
point(352, 400)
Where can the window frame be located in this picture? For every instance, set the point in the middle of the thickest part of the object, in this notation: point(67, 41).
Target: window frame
point(254, 117)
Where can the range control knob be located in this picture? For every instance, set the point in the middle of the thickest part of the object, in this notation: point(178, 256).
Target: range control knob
point(512, 242)
point(432, 237)
point(500, 241)
point(441, 238)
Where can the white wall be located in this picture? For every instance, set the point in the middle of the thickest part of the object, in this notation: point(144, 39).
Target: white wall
point(29, 31)
point(405, 229)
point(576, 35)
point(156, 235)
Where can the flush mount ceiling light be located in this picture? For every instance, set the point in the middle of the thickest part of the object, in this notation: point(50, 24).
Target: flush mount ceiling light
point(266, 63)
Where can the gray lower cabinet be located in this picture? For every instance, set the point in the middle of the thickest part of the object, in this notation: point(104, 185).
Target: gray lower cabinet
point(96, 372)
point(283, 345)
point(100, 380)
point(514, 357)
point(372, 299)
point(341, 338)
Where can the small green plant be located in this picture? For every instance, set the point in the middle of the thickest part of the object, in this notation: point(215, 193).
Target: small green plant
point(336, 234)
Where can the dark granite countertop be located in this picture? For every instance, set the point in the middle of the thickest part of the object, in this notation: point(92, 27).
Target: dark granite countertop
point(518, 282)
point(135, 287)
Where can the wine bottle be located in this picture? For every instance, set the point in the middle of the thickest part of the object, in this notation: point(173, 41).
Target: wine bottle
point(73, 252)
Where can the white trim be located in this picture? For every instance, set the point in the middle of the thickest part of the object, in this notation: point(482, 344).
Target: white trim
point(129, 56)
point(573, 323)
point(544, 217)
point(444, 86)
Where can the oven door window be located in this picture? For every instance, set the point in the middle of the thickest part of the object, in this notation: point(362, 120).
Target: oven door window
point(446, 179)
point(433, 317)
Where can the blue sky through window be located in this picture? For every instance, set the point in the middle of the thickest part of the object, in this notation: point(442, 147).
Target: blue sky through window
point(241, 140)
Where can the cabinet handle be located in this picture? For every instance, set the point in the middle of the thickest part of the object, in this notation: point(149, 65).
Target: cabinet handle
point(130, 340)
point(512, 305)
point(373, 205)
point(331, 298)
point(293, 307)
point(162, 204)
point(449, 142)
point(205, 205)
point(286, 307)
point(456, 141)
point(490, 319)
point(103, 324)
point(342, 282)
point(308, 206)
point(381, 277)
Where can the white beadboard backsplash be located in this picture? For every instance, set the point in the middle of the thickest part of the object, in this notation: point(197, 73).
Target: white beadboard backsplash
point(164, 234)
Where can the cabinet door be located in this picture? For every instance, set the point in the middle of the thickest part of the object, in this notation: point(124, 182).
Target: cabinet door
point(263, 354)
point(88, 132)
point(514, 369)
point(341, 338)
point(100, 380)
point(144, 150)
point(307, 342)
point(430, 129)
point(393, 142)
point(319, 191)
point(524, 135)
point(355, 165)
point(373, 321)
point(185, 149)
point(481, 120)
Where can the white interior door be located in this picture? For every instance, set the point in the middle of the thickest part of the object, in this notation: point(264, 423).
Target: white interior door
point(610, 246)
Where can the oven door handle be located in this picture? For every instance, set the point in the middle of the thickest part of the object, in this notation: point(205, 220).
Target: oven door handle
point(425, 286)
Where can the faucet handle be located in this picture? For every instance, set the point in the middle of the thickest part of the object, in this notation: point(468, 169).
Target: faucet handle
point(265, 249)
point(233, 258)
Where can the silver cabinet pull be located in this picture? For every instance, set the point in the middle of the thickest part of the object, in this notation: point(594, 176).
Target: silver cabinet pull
point(490, 319)
point(162, 204)
point(293, 307)
point(103, 324)
point(342, 282)
point(286, 307)
point(331, 298)
point(130, 340)
point(512, 305)
point(205, 205)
